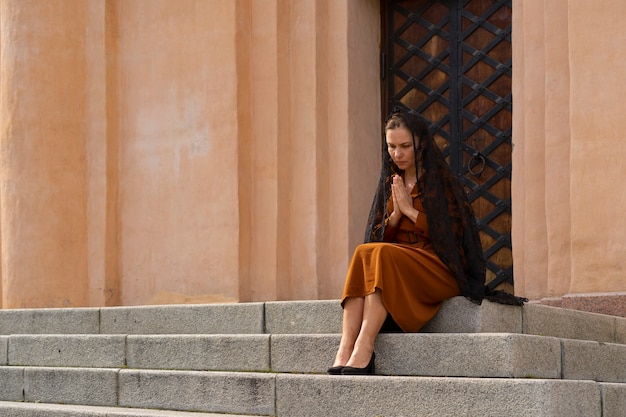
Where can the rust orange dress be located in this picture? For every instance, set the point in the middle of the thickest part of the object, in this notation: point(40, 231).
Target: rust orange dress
point(412, 279)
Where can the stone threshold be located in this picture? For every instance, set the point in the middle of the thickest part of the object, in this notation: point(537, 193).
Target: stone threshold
point(613, 304)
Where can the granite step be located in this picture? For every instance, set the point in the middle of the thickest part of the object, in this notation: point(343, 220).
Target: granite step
point(14, 409)
point(188, 352)
point(319, 396)
point(457, 315)
point(505, 355)
point(493, 355)
point(210, 392)
point(269, 359)
point(294, 395)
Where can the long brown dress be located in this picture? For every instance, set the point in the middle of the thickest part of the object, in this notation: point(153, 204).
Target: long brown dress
point(412, 279)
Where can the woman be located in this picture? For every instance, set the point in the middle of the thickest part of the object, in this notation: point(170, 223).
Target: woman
point(423, 247)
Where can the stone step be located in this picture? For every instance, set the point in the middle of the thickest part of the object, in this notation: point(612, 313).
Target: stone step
point(295, 395)
point(457, 315)
point(313, 396)
point(15, 409)
point(211, 392)
point(495, 355)
point(189, 352)
point(504, 355)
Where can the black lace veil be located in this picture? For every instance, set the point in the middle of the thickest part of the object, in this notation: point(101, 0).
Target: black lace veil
point(452, 225)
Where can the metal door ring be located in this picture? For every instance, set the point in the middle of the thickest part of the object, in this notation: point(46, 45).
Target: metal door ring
point(481, 163)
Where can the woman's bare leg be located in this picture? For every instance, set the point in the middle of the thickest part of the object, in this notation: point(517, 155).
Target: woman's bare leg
point(374, 315)
point(350, 327)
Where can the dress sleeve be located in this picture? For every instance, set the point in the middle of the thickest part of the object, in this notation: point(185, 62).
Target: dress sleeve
point(421, 225)
point(390, 231)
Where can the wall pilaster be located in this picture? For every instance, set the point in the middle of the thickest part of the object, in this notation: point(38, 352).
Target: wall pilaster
point(47, 119)
point(568, 226)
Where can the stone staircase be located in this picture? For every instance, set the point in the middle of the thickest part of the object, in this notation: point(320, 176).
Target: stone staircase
point(269, 359)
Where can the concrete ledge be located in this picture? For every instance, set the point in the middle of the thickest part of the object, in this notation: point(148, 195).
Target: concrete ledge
point(4, 350)
point(11, 384)
point(312, 396)
point(304, 353)
point(613, 400)
point(196, 352)
point(459, 315)
point(594, 360)
point(50, 320)
point(611, 303)
point(215, 392)
point(83, 386)
point(98, 351)
point(244, 318)
point(620, 331)
point(568, 324)
point(62, 410)
point(303, 317)
point(413, 354)
point(494, 355)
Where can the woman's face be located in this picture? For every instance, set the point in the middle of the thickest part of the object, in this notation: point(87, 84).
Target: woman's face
point(400, 147)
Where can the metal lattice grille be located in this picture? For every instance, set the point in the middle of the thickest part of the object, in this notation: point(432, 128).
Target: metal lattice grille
point(450, 60)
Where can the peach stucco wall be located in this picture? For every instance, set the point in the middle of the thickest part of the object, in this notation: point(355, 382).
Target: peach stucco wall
point(157, 151)
point(569, 160)
point(184, 151)
point(178, 146)
point(43, 152)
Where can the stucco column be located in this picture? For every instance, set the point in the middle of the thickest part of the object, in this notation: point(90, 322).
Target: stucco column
point(568, 161)
point(179, 133)
point(557, 146)
point(598, 153)
point(528, 187)
point(309, 100)
point(45, 123)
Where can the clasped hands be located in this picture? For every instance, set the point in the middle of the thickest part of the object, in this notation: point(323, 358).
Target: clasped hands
point(402, 202)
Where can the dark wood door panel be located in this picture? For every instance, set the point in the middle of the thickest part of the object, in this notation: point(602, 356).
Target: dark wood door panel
point(450, 60)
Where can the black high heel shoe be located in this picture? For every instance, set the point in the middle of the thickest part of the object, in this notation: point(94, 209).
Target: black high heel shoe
point(335, 370)
point(368, 370)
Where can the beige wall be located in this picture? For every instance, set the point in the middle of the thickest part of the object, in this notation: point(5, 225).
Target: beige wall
point(305, 163)
point(178, 149)
point(189, 151)
point(44, 153)
point(569, 230)
point(155, 151)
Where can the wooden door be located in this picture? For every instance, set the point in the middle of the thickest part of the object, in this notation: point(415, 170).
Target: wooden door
point(450, 60)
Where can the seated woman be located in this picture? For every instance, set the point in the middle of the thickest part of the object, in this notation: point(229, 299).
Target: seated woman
point(423, 247)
